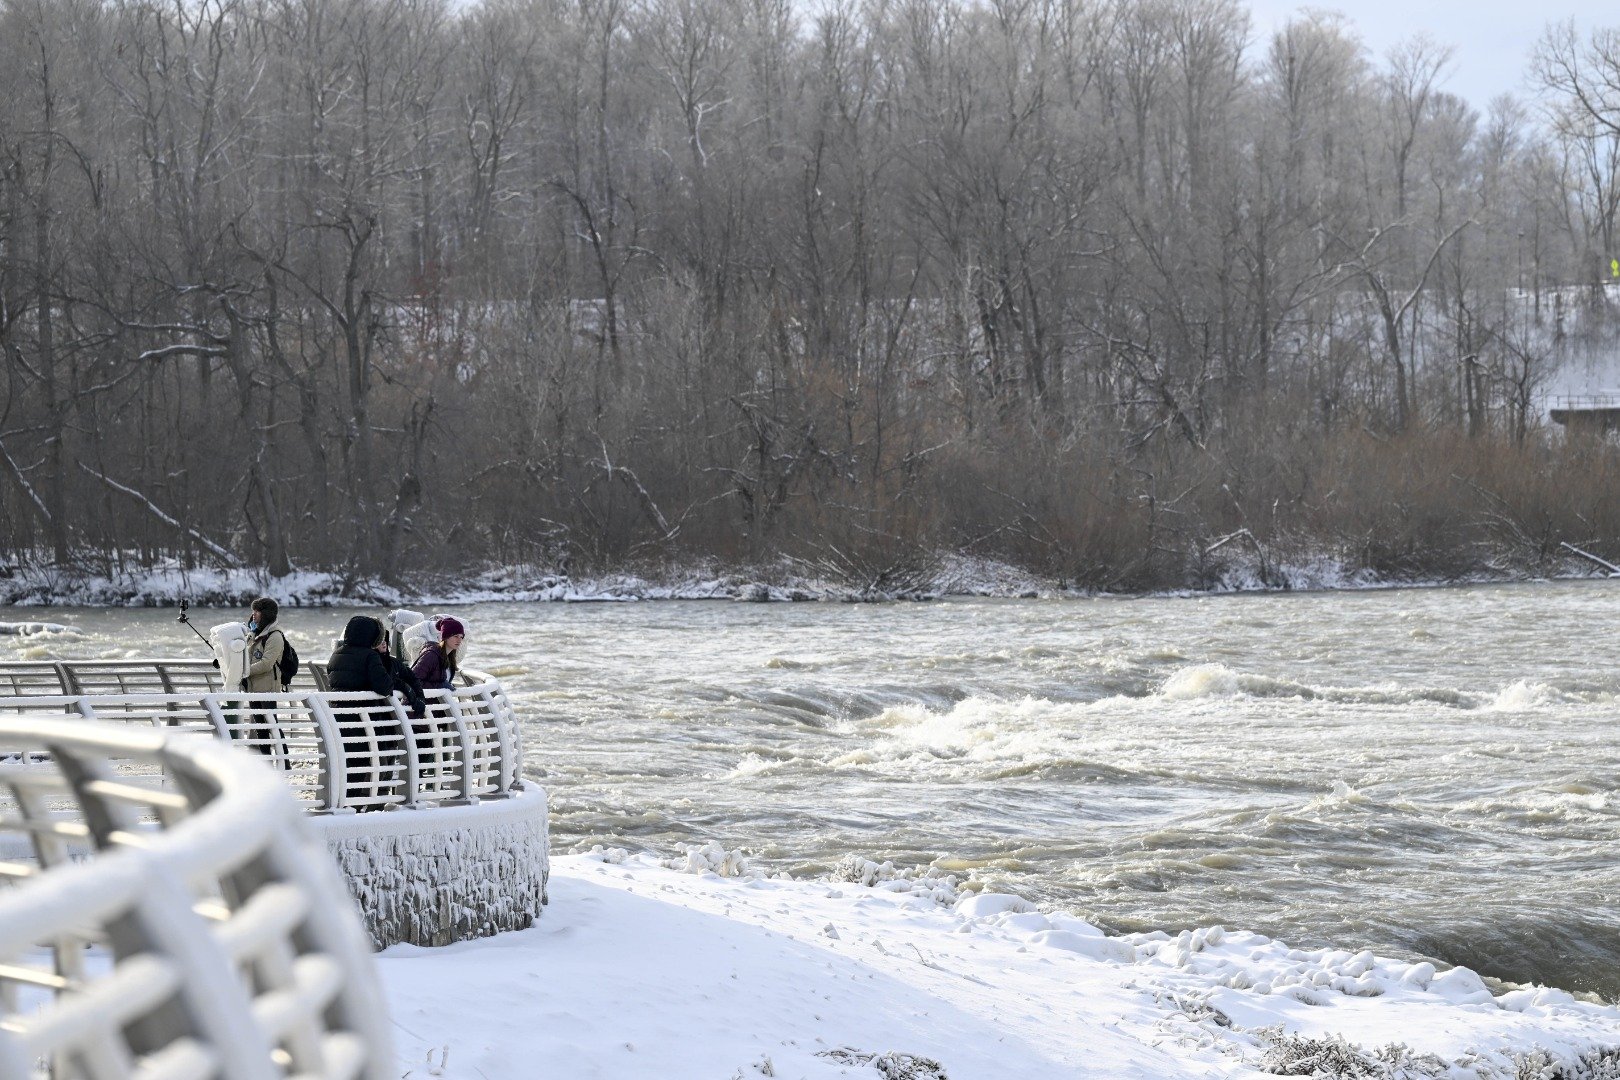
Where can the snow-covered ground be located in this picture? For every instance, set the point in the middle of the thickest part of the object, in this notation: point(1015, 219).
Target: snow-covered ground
point(695, 968)
point(166, 584)
point(952, 574)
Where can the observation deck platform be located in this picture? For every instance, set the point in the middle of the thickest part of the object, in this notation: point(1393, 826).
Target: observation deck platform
point(1587, 414)
point(438, 836)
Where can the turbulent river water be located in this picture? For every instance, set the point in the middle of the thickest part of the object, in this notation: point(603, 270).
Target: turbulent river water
point(1426, 772)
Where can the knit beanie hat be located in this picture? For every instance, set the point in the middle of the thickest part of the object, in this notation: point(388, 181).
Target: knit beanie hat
point(449, 627)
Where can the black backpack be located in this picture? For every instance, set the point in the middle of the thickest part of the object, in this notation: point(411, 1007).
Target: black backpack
point(288, 667)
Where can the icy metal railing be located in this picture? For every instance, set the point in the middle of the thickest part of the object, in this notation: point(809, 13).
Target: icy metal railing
point(166, 913)
point(34, 677)
point(336, 751)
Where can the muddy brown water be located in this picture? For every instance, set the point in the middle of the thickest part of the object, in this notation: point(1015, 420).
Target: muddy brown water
point(1425, 772)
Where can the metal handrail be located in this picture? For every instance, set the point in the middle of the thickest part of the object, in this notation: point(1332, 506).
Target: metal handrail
point(338, 751)
point(167, 907)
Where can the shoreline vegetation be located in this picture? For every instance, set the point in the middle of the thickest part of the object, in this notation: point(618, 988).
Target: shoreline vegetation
point(1103, 291)
point(923, 578)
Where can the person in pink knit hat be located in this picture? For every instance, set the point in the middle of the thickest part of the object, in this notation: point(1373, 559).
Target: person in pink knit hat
point(436, 665)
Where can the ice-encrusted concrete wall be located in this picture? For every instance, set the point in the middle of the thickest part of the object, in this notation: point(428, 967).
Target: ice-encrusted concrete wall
point(430, 877)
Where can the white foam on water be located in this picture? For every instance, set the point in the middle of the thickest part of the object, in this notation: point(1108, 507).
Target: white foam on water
point(37, 629)
point(1205, 681)
point(1526, 694)
point(1342, 795)
point(788, 663)
point(754, 765)
point(1540, 807)
point(1201, 681)
point(975, 731)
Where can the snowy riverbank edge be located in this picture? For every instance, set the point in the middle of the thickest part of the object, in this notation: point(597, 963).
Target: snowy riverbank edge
point(695, 968)
point(950, 575)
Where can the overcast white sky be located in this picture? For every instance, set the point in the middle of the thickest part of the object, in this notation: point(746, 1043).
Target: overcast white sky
point(1491, 38)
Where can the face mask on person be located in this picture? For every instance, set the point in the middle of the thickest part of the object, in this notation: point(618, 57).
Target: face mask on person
point(253, 625)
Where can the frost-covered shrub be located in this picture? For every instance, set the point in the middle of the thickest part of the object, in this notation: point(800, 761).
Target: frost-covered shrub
point(1332, 1058)
point(1199, 1010)
point(859, 871)
point(610, 855)
point(1593, 1065)
point(890, 1065)
point(930, 882)
point(865, 566)
point(709, 858)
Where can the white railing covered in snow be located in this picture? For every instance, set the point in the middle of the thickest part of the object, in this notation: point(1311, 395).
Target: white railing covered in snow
point(337, 751)
point(166, 912)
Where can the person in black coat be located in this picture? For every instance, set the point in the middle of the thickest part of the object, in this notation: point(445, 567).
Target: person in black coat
point(358, 664)
point(406, 684)
point(409, 687)
point(361, 663)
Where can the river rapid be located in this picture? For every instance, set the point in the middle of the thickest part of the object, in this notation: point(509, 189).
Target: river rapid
point(1430, 773)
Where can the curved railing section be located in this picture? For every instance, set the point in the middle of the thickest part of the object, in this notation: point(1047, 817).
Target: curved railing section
point(338, 752)
point(166, 911)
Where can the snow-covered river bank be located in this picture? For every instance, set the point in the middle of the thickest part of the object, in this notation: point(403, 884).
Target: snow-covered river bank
point(639, 971)
point(1430, 774)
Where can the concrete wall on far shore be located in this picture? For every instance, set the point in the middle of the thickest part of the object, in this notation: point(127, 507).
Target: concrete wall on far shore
point(430, 877)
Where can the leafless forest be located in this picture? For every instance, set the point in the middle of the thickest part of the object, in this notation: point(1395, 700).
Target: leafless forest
point(1092, 286)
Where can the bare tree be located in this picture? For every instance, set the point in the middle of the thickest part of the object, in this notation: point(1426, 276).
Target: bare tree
point(1582, 82)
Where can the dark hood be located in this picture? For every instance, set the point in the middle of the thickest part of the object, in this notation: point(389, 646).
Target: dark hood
point(364, 631)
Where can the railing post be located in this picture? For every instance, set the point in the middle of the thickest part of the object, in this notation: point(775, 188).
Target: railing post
point(510, 737)
point(413, 772)
point(333, 760)
point(492, 707)
point(216, 716)
point(464, 741)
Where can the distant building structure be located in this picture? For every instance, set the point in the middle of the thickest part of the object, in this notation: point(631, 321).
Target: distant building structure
point(1588, 414)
